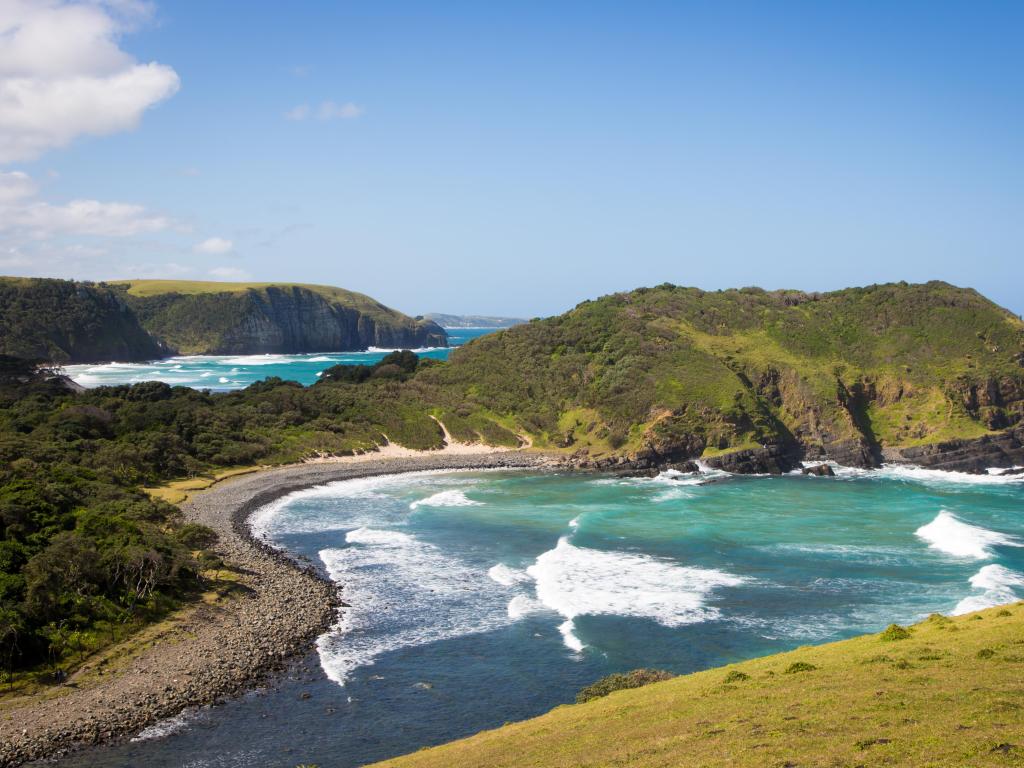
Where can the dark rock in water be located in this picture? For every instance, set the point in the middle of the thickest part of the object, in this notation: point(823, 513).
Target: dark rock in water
point(774, 459)
point(687, 467)
point(821, 470)
point(851, 453)
point(1014, 471)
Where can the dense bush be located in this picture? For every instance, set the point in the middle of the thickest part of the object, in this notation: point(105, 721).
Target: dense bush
point(620, 681)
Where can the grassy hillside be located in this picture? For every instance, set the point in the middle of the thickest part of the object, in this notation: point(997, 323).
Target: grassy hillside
point(680, 369)
point(949, 694)
point(358, 301)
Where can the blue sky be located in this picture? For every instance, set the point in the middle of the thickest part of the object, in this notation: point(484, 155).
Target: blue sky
point(519, 158)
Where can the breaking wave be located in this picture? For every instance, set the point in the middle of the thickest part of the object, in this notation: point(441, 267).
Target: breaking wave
point(451, 498)
point(996, 583)
point(947, 533)
point(402, 592)
point(577, 581)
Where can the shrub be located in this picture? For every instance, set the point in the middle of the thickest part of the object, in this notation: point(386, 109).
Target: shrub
point(1004, 612)
point(619, 681)
point(894, 632)
point(736, 677)
point(986, 653)
point(799, 666)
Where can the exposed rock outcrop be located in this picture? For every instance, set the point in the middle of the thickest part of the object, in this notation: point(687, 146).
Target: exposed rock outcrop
point(279, 319)
point(1005, 449)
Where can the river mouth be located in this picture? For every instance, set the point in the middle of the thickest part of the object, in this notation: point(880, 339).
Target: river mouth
point(479, 597)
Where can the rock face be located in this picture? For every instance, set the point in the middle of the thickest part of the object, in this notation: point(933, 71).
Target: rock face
point(279, 320)
point(62, 321)
point(767, 460)
point(1005, 449)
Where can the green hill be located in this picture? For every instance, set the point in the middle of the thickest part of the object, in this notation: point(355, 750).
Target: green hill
point(249, 318)
point(948, 694)
point(67, 322)
point(70, 322)
point(677, 373)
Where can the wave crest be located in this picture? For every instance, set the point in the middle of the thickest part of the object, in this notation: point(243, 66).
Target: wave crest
point(947, 533)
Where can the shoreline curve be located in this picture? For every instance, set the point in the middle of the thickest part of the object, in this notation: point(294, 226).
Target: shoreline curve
point(210, 653)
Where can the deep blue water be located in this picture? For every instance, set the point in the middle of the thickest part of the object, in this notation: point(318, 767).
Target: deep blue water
point(226, 372)
point(483, 597)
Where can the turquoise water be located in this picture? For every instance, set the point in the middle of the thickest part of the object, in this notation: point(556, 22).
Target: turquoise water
point(482, 597)
point(227, 372)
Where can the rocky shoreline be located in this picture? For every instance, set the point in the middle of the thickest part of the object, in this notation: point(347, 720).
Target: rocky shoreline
point(975, 456)
point(217, 651)
point(220, 650)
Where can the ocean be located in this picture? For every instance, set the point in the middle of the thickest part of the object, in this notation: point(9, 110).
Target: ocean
point(229, 372)
point(489, 596)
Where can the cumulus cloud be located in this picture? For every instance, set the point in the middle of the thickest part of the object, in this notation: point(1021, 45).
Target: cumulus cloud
point(229, 273)
point(327, 110)
point(215, 246)
point(64, 75)
point(21, 212)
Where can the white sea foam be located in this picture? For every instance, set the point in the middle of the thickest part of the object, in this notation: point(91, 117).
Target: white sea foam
point(449, 498)
point(521, 605)
point(855, 553)
point(255, 359)
point(224, 380)
point(403, 592)
point(268, 520)
point(506, 576)
point(996, 583)
point(577, 581)
point(164, 728)
point(919, 474)
point(323, 359)
point(947, 533)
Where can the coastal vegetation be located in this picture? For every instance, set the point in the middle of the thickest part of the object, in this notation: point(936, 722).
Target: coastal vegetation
point(681, 372)
point(670, 373)
point(947, 694)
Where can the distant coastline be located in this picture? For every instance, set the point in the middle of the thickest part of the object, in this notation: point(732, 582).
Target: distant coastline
point(473, 322)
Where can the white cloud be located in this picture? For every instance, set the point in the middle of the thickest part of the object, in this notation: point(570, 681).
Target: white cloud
point(301, 112)
point(347, 111)
point(160, 271)
point(327, 110)
point(15, 186)
point(13, 258)
point(21, 212)
point(230, 273)
point(215, 246)
point(63, 74)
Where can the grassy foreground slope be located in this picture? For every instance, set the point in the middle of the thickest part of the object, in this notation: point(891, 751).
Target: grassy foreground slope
point(689, 371)
point(950, 694)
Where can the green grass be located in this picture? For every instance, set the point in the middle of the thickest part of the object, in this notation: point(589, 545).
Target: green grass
point(146, 288)
point(947, 695)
